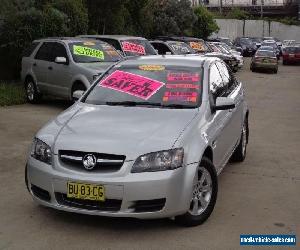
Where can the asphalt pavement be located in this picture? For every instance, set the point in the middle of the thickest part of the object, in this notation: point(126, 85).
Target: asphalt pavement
point(258, 196)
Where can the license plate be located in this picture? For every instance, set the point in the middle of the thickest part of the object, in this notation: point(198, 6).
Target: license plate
point(85, 191)
point(266, 61)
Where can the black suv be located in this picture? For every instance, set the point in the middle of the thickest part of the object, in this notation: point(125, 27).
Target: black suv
point(248, 46)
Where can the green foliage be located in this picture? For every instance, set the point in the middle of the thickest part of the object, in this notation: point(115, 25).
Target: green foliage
point(170, 17)
point(205, 24)
point(26, 20)
point(237, 13)
point(11, 94)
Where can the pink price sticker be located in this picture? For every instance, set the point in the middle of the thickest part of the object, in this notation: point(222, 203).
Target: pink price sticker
point(132, 47)
point(132, 84)
point(179, 77)
point(180, 96)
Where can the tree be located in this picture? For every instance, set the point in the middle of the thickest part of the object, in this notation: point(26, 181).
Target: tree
point(170, 17)
point(22, 21)
point(237, 13)
point(205, 24)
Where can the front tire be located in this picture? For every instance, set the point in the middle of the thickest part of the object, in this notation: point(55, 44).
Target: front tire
point(32, 94)
point(204, 196)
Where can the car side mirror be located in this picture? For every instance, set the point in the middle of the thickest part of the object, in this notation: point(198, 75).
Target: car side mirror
point(223, 103)
point(60, 60)
point(77, 94)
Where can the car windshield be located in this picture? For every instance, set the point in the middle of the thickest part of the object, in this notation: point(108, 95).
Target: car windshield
point(223, 50)
point(181, 48)
point(92, 51)
point(273, 45)
point(256, 40)
point(227, 41)
point(266, 48)
point(137, 47)
point(265, 53)
point(246, 41)
point(149, 85)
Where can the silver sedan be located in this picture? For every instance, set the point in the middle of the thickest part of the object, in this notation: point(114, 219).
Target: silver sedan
point(147, 140)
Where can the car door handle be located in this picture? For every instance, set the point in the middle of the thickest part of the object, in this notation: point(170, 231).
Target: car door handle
point(34, 64)
point(50, 68)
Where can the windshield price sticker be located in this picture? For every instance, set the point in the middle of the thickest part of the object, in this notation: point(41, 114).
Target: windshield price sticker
point(151, 67)
point(132, 47)
point(89, 43)
point(85, 51)
point(197, 46)
point(180, 48)
point(182, 86)
point(132, 84)
point(183, 77)
point(180, 96)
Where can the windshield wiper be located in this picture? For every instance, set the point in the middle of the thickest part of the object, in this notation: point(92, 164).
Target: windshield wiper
point(178, 106)
point(132, 103)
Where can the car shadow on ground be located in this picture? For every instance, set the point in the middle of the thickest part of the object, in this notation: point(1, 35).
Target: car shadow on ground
point(55, 103)
point(108, 223)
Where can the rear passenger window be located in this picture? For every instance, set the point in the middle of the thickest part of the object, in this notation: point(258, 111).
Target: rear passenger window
point(28, 51)
point(45, 51)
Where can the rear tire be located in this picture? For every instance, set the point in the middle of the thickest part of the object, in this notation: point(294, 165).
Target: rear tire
point(275, 71)
point(240, 152)
point(204, 196)
point(32, 94)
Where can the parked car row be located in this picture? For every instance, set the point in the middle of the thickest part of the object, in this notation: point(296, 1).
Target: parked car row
point(60, 66)
point(146, 140)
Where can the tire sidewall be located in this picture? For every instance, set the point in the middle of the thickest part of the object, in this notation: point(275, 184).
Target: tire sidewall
point(188, 219)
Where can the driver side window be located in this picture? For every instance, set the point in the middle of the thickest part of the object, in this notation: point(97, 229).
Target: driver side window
point(215, 82)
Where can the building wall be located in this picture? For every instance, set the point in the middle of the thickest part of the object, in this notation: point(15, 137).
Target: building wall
point(233, 28)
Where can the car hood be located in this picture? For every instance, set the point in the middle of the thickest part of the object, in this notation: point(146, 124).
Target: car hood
point(97, 67)
point(129, 131)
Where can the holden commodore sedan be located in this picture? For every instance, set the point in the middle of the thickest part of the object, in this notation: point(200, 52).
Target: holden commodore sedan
point(147, 140)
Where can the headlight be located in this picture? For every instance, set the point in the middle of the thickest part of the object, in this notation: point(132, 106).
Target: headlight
point(41, 151)
point(159, 161)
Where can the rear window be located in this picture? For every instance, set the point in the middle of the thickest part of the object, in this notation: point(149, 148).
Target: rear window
point(292, 50)
point(93, 51)
point(28, 51)
point(137, 47)
point(265, 53)
point(156, 85)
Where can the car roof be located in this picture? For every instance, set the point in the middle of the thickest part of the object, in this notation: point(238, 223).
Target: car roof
point(266, 47)
point(179, 38)
point(269, 41)
point(176, 60)
point(66, 39)
point(117, 37)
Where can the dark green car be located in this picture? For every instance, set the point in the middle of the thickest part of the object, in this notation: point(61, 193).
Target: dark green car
point(264, 60)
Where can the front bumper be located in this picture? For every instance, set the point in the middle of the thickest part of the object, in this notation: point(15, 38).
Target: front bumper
point(173, 188)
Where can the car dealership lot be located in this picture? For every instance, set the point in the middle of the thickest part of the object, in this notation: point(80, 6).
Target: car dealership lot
point(258, 196)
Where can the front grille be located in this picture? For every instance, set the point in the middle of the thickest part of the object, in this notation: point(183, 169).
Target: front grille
point(40, 193)
point(109, 205)
point(105, 162)
point(149, 205)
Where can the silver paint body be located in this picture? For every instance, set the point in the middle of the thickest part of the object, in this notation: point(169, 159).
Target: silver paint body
point(134, 131)
point(59, 81)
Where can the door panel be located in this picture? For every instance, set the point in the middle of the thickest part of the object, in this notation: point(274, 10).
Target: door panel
point(40, 66)
point(59, 77)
